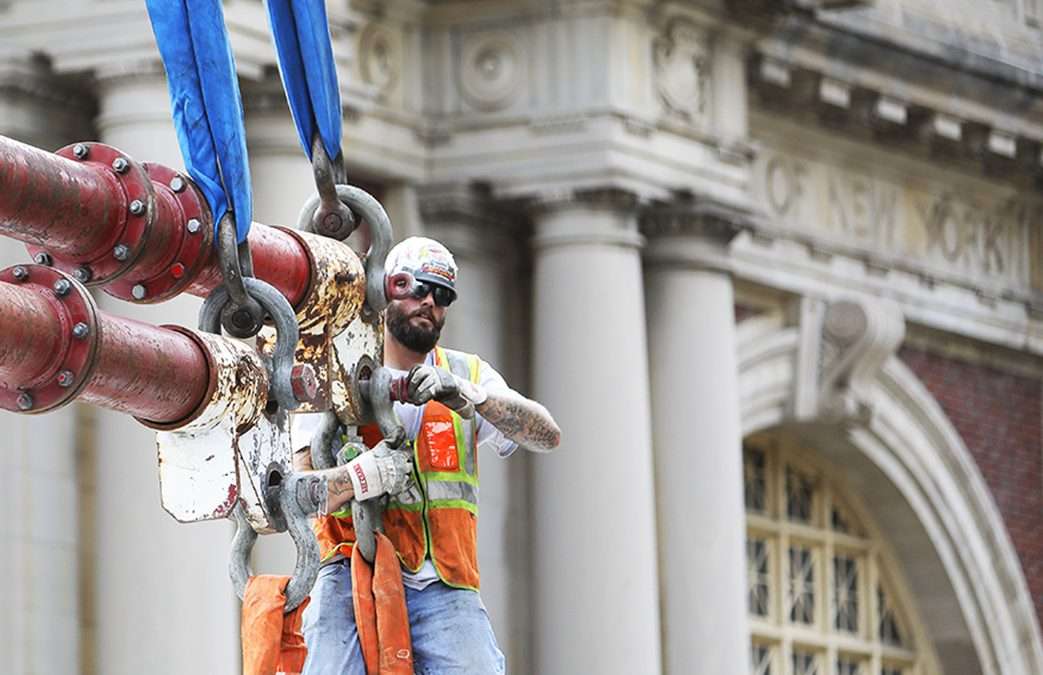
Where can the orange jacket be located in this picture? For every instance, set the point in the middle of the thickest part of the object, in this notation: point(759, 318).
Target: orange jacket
point(437, 517)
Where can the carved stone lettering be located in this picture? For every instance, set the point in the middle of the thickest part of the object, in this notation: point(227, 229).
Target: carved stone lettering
point(784, 179)
point(966, 237)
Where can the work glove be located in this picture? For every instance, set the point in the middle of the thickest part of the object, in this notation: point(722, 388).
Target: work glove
point(380, 471)
point(425, 383)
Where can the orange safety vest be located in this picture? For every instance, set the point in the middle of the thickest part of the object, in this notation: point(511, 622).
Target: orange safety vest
point(437, 517)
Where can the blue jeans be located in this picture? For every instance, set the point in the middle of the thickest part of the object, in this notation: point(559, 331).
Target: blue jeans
point(449, 627)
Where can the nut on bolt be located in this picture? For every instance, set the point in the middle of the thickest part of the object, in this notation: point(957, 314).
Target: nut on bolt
point(305, 384)
point(42, 258)
point(25, 401)
point(137, 207)
point(80, 151)
point(20, 273)
point(62, 287)
point(138, 292)
point(66, 378)
point(193, 226)
point(83, 273)
point(120, 165)
point(121, 252)
point(177, 184)
point(80, 330)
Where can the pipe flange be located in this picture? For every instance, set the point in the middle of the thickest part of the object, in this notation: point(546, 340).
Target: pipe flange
point(69, 371)
point(134, 216)
point(193, 245)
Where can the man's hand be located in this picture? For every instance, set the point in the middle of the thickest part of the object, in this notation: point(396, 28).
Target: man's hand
point(428, 382)
point(380, 471)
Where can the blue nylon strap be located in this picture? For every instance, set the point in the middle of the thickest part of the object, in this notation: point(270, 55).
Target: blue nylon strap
point(309, 74)
point(205, 103)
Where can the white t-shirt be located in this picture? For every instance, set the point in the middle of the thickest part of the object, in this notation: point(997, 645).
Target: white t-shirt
point(303, 427)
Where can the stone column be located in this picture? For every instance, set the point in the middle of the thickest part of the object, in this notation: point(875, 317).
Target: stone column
point(280, 171)
point(698, 443)
point(595, 585)
point(482, 244)
point(40, 531)
point(166, 580)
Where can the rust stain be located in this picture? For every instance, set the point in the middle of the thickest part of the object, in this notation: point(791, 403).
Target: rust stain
point(228, 504)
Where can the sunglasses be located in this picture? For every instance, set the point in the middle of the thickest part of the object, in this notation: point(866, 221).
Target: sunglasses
point(442, 296)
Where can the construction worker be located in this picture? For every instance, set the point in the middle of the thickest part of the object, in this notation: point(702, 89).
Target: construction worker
point(465, 407)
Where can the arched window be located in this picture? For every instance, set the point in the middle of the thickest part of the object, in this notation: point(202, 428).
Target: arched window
point(823, 594)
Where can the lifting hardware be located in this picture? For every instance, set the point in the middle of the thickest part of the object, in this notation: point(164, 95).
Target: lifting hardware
point(220, 406)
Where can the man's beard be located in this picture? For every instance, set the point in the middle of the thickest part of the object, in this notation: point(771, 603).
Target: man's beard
point(413, 337)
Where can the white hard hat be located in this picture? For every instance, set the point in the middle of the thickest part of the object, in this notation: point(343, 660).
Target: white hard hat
point(426, 259)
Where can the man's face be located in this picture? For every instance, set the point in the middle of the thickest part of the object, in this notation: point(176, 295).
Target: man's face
point(416, 322)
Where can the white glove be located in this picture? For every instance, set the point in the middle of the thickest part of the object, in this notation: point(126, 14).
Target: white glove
point(428, 382)
point(380, 471)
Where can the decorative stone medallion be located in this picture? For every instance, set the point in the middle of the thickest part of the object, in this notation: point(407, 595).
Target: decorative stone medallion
point(380, 58)
point(491, 69)
point(682, 59)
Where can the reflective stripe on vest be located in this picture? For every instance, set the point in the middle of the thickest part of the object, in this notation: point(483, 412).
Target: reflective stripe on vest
point(436, 517)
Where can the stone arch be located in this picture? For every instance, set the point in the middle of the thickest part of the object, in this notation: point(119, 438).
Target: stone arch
point(915, 473)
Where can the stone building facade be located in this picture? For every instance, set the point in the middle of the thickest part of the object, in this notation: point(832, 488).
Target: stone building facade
point(776, 267)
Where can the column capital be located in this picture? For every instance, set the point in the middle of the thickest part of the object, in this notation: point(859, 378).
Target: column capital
point(144, 67)
point(605, 216)
point(696, 233)
point(466, 218)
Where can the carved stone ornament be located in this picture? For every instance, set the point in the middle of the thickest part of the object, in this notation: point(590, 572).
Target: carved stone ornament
point(682, 61)
point(491, 69)
point(379, 57)
point(843, 346)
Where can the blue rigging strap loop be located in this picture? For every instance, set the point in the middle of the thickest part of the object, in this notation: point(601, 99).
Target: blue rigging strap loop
point(205, 103)
point(309, 73)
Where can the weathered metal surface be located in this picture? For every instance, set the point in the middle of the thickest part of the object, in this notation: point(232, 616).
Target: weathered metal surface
point(132, 212)
point(46, 199)
point(45, 365)
point(55, 346)
point(279, 258)
point(180, 245)
point(357, 346)
point(264, 458)
point(334, 300)
point(158, 374)
point(198, 464)
point(141, 231)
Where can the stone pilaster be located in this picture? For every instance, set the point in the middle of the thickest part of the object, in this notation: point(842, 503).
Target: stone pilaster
point(697, 439)
point(595, 584)
point(41, 535)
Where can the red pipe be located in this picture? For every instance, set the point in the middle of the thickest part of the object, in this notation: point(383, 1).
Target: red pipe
point(150, 372)
point(153, 373)
point(48, 200)
point(78, 207)
point(30, 337)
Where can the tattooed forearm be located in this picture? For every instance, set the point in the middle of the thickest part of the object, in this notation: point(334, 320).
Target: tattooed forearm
point(525, 422)
point(339, 489)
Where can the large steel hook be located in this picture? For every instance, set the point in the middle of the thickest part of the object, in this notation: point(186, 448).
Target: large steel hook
point(299, 497)
point(366, 206)
point(367, 517)
point(286, 332)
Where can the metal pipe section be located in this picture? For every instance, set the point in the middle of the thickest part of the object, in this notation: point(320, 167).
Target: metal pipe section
point(150, 372)
point(47, 200)
point(56, 346)
point(141, 231)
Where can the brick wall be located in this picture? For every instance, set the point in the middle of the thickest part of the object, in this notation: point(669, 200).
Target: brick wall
point(998, 416)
